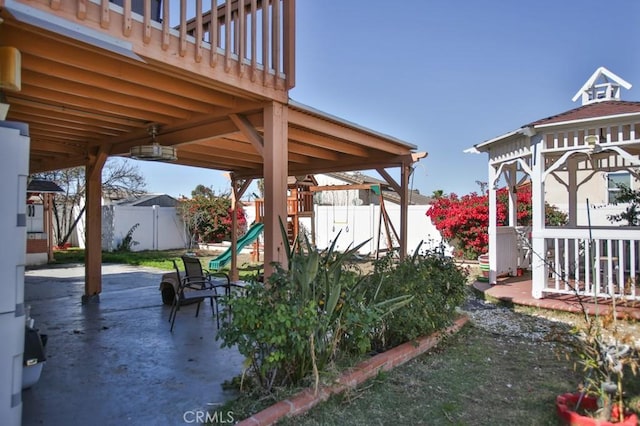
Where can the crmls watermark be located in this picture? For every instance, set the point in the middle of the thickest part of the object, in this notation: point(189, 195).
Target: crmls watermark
point(206, 416)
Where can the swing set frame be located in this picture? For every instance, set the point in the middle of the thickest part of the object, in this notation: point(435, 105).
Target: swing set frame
point(390, 230)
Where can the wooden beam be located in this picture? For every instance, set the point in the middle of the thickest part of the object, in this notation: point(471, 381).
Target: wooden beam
point(57, 148)
point(396, 187)
point(150, 93)
point(229, 158)
point(356, 137)
point(92, 61)
point(80, 102)
point(93, 217)
point(56, 163)
point(196, 132)
point(294, 156)
point(316, 188)
point(58, 124)
point(249, 131)
point(103, 118)
point(106, 94)
point(315, 152)
point(326, 142)
point(64, 133)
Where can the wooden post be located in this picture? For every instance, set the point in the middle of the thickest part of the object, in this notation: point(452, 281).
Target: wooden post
point(93, 231)
point(239, 188)
point(275, 160)
point(234, 231)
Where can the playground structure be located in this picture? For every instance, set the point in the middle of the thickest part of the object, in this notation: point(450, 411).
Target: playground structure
point(300, 204)
point(251, 236)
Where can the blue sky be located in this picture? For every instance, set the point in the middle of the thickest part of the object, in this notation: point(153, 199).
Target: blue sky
point(444, 75)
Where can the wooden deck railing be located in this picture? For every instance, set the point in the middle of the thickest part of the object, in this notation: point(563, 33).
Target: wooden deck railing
point(294, 206)
point(248, 31)
point(253, 39)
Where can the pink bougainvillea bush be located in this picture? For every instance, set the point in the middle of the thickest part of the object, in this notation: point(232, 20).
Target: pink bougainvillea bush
point(464, 221)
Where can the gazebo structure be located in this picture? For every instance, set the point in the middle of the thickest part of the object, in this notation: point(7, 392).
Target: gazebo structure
point(202, 84)
point(572, 160)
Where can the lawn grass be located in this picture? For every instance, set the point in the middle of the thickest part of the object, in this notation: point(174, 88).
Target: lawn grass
point(161, 259)
point(157, 259)
point(472, 378)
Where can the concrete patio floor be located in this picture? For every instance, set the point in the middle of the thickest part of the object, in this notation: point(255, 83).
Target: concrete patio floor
point(115, 362)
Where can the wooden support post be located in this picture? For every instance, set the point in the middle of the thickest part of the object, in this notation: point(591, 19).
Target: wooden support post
point(275, 161)
point(239, 187)
point(402, 189)
point(234, 231)
point(93, 231)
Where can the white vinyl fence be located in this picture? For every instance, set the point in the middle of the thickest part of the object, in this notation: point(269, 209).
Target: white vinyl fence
point(352, 225)
point(161, 228)
point(158, 228)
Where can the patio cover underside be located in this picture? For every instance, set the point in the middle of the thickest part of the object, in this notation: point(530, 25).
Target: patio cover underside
point(84, 104)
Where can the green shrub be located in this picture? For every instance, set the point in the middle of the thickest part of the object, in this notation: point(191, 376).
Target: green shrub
point(305, 317)
point(437, 285)
point(319, 309)
point(127, 241)
point(271, 328)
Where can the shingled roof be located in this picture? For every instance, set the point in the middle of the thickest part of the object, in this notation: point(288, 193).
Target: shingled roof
point(43, 186)
point(594, 110)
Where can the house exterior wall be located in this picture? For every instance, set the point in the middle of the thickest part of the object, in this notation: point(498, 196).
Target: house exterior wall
point(592, 188)
point(37, 242)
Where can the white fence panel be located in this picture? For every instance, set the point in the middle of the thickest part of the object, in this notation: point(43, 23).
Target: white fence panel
point(507, 255)
point(354, 224)
point(159, 228)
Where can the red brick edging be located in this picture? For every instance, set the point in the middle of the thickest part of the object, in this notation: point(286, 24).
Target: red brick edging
point(305, 400)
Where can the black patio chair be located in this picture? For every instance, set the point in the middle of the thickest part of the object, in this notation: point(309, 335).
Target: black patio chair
point(193, 268)
point(195, 287)
point(217, 279)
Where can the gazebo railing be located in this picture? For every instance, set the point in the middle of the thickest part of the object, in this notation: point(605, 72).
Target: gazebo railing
point(603, 262)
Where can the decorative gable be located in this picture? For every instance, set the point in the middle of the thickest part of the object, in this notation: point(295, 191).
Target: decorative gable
point(603, 85)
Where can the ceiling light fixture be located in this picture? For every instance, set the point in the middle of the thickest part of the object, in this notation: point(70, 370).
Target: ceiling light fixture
point(153, 151)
